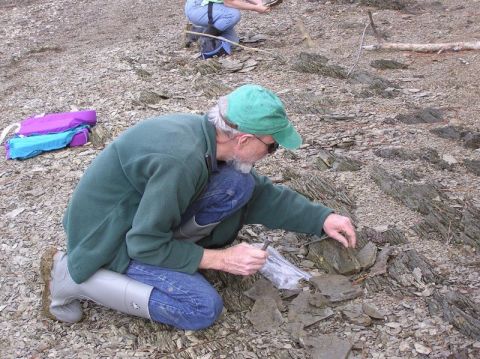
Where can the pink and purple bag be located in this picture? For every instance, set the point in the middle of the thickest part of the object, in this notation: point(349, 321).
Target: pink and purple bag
point(56, 122)
point(35, 135)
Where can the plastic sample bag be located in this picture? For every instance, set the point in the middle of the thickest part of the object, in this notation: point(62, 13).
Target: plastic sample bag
point(282, 273)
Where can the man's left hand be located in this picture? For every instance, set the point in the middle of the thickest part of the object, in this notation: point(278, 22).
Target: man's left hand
point(341, 229)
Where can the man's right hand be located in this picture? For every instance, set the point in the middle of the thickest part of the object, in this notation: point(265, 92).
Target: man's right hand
point(241, 259)
point(262, 9)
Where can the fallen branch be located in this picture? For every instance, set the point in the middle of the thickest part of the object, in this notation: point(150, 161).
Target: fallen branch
point(454, 46)
point(230, 42)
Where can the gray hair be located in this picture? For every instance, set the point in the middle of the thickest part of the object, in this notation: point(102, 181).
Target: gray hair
point(216, 116)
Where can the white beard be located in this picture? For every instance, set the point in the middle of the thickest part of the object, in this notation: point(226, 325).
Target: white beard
point(244, 167)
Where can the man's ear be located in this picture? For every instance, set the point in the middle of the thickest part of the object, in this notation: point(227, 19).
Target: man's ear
point(244, 139)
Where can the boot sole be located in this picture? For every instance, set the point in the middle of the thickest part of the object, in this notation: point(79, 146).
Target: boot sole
point(46, 266)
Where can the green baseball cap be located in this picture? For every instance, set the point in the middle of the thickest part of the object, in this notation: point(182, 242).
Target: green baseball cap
point(258, 111)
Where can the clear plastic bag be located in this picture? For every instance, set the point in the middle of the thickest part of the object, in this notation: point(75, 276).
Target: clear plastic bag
point(282, 273)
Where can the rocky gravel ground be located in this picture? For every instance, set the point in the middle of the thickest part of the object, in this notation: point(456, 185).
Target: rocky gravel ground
point(126, 60)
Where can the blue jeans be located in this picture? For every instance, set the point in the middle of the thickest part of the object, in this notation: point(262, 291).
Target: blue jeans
point(188, 301)
point(227, 191)
point(185, 301)
point(224, 17)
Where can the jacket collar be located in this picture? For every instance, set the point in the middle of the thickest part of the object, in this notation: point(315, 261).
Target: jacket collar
point(211, 141)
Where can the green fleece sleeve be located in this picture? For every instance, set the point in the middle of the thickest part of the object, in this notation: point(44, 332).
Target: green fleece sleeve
point(169, 187)
point(279, 207)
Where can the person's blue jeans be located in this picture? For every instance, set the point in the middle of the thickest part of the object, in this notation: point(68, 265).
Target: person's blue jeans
point(224, 17)
point(185, 301)
point(189, 301)
point(227, 191)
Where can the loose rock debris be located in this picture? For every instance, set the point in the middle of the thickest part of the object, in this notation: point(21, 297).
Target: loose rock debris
point(469, 138)
point(122, 50)
point(428, 115)
point(384, 64)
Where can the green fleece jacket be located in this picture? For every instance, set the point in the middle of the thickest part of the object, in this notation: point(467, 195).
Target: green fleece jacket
point(133, 195)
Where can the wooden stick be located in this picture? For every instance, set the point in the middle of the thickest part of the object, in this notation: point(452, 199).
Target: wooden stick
point(359, 50)
point(453, 46)
point(374, 28)
point(316, 240)
point(230, 42)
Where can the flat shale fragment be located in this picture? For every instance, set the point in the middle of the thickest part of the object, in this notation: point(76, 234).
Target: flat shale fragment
point(469, 138)
point(336, 287)
point(392, 236)
point(376, 85)
point(265, 315)
point(449, 132)
point(367, 255)
point(328, 347)
point(265, 289)
point(428, 115)
point(386, 64)
point(332, 256)
point(317, 64)
point(372, 311)
point(355, 315)
point(99, 136)
point(302, 311)
point(473, 166)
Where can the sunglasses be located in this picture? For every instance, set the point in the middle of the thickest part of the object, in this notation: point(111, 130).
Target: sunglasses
point(271, 147)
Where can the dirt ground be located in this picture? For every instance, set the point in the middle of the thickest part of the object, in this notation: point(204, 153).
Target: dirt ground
point(126, 60)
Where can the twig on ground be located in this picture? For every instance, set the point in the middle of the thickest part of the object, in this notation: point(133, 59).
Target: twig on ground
point(374, 28)
point(315, 240)
point(441, 47)
point(449, 235)
point(359, 50)
point(231, 42)
point(361, 278)
point(453, 46)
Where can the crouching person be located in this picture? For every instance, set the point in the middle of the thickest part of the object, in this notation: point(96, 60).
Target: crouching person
point(167, 198)
point(218, 18)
